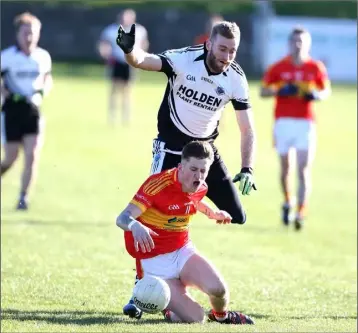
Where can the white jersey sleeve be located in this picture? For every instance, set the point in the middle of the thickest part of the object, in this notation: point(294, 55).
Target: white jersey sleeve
point(174, 61)
point(47, 62)
point(240, 92)
point(107, 34)
point(6, 56)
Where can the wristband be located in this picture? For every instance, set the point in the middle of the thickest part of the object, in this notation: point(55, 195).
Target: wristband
point(130, 225)
point(247, 170)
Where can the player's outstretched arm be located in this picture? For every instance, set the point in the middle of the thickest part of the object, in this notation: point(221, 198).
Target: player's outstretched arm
point(220, 216)
point(268, 92)
point(135, 56)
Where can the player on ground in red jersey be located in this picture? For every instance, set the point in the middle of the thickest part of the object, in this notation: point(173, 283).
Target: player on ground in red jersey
point(296, 81)
point(156, 225)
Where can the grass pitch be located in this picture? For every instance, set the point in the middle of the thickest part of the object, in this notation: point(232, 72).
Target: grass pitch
point(63, 263)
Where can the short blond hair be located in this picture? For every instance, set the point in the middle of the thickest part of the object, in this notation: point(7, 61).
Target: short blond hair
point(26, 18)
point(226, 29)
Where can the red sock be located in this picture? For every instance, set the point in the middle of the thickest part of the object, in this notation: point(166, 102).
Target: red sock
point(219, 316)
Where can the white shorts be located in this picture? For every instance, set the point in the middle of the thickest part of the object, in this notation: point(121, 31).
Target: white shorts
point(169, 265)
point(294, 133)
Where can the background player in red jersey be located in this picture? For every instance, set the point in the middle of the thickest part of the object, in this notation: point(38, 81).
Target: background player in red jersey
point(156, 225)
point(201, 39)
point(296, 81)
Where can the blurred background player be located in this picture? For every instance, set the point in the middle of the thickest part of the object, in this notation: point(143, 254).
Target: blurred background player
point(201, 81)
point(25, 79)
point(201, 39)
point(121, 74)
point(296, 82)
point(165, 250)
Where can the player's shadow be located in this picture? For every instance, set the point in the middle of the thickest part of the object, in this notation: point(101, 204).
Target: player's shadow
point(79, 318)
point(63, 317)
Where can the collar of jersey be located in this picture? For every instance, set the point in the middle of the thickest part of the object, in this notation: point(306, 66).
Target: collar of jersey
point(203, 58)
point(18, 49)
point(289, 59)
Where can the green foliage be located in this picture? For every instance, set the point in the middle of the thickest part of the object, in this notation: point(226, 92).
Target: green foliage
point(63, 263)
point(317, 8)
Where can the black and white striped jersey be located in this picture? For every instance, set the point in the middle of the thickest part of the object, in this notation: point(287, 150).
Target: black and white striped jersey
point(25, 74)
point(195, 97)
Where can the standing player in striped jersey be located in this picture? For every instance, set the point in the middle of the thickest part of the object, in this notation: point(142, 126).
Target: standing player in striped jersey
point(296, 81)
point(201, 80)
point(25, 79)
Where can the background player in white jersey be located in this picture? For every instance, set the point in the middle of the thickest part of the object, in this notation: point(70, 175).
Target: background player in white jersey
point(25, 79)
point(120, 72)
point(201, 80)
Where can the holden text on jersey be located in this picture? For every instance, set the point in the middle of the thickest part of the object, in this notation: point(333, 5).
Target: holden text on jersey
point(202, 100)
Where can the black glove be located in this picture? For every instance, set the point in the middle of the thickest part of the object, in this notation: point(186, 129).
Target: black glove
point(125, 40)
point(311, 96)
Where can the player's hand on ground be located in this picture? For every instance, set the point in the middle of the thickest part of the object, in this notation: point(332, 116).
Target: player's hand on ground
point(288, 90)
point(246, 179)
point(222, 217)
point(143, 237)
point(125, 40)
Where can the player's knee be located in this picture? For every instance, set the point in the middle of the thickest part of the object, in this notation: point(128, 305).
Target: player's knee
point(219, 290)
point(239, 218)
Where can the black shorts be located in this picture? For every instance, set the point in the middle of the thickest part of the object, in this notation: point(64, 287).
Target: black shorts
point(121, 71)
point(19, 119)
point(221, 189)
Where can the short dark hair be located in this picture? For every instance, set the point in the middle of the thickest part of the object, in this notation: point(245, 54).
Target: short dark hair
point(199, 150)
point(226, 29)
point(298, 31)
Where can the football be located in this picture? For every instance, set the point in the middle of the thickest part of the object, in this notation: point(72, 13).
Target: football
point(151, 294)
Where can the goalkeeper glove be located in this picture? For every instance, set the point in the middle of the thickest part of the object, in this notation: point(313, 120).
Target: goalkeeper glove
point(246, 179)
point(288, 90)
point(125, 40)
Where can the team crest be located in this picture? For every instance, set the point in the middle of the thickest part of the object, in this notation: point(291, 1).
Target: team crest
point(220, 91)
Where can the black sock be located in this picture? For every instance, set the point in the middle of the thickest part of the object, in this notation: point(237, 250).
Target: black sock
point(22, 195)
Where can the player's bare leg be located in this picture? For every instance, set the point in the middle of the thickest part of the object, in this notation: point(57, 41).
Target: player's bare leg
point(113, 98)
point(285, 172)
point(182, 307)
point(200, 273)
point(304, 161)
point(126, 89)
point(32, 145)
point(11, 152)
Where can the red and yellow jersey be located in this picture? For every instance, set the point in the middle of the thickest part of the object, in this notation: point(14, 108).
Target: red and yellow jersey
point(311, 75)
point(167, 210)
